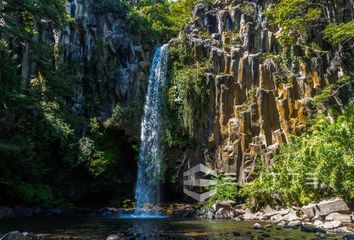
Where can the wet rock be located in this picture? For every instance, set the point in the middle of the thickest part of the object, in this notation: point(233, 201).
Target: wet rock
point(6, 212)
point(257, 226)
point(15, 235)
point(348, 237)
point(308, 228)
point(343, 218)
point(321, 235)
point(113, 237)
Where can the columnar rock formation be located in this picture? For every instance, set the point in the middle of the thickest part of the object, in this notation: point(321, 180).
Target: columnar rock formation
point(108, 63)
point(250, 112)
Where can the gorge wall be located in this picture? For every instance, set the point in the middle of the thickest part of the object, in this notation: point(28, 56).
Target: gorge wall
point(108, 65)
point(254, 104)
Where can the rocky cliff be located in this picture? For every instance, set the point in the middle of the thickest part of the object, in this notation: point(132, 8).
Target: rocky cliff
point(254, 104)
point(108, 65)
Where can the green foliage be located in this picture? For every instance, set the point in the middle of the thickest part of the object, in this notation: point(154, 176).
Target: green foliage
point(118, 6)
point(226, 189)
point(160, 21)
point(317, 164)
point(295, 17)
point(40, 195)
point(331, 89)
point(340, 33)
point(187, 88)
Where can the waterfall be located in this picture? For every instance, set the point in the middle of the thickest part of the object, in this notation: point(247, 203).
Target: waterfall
point(147, 188)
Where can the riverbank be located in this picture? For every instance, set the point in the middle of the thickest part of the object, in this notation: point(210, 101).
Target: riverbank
point(331, 217)
point(95, 228)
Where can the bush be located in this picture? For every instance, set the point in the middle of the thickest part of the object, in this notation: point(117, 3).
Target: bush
point(317, 164)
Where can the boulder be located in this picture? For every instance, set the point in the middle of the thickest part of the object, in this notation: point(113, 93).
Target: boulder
point(224, 214)
point(326, 207)
point(332, 224)
point(227, 205)
point(294, 224)
point(343, 218)
point(318, 223)
point(308, 228)
point(15, 235)
point(332, 205)
point(309, 210)
point(291, 216)
point(6, 212)
point(276, 218)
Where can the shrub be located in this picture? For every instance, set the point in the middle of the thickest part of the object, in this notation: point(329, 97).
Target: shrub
point(317, 164)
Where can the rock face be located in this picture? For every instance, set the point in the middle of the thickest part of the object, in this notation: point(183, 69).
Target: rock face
point(250, 112)
point(108, 65)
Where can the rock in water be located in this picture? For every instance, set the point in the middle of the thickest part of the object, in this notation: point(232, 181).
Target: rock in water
point(257, 226)
point(15, 235)
point(113, 237)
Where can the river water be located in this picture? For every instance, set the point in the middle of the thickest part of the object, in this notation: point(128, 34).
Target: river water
point(98, 228)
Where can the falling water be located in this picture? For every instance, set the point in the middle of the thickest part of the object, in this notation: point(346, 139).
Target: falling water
point(147, 189)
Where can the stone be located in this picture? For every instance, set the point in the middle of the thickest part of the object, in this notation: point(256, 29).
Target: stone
point(308, 228)
point(257, 226)
point(332, 224)
point(343, 218)
point(276, 218)
point(6, 212)
point(321, 235)
point(113, 237)
point(209, 215)
point(228, 205)
point(294, 224)
point(291, 216)
point(348, 237)
point(23, 211)
point(318, 223)
point(343, 230)
point(326, 207)
point(281, 224)
point(15, 235)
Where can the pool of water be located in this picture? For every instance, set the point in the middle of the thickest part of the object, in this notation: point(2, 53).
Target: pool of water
point(91, 228)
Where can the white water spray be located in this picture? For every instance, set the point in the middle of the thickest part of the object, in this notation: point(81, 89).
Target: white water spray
point(148, 182)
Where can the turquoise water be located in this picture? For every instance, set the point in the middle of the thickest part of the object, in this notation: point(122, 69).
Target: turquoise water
point(157, 228)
